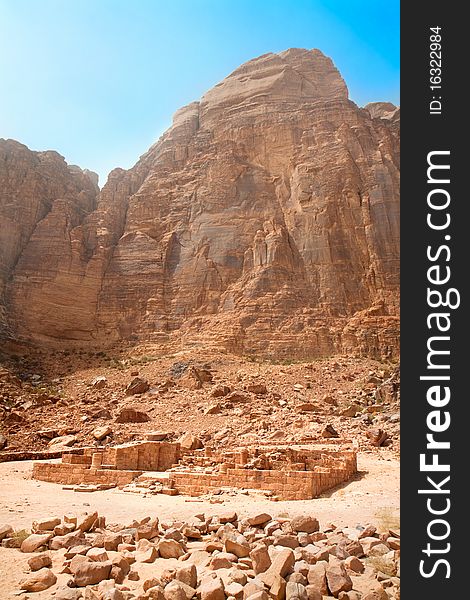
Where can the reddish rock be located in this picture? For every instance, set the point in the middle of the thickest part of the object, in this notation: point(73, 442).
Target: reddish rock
point(337, 578)
point(40, 561)
point(35, 541)
point(131, 415)
point(305, 523)
point(137, 386)
point(261, 559)
point(88, 572)
point(38, 581)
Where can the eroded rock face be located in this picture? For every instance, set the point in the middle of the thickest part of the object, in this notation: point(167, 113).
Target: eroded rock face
point(264, 220)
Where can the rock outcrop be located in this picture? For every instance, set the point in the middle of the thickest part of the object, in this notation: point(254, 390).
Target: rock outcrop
point(265, 220)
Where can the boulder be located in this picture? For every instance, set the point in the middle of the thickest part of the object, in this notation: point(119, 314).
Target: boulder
point(317, 577)
point(337, 578)
point(237, 544)
point(5, 531)
point(40, 561)
point(137, 386)
point(305, 523)
point(88, 572)
point(170, 549)
point(188, 441)
point(259, 519)
point(211, 588)
point(45, 524)
point(296, 591)
point(260, 558)
point(131, 415)
point(177, 590)
point(38, 581)
point(35, 541)
point(99, 433)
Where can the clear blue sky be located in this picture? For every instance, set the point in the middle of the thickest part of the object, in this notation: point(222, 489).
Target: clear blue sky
point(99, 80)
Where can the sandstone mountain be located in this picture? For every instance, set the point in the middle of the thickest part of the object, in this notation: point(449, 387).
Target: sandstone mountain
point(265, 220)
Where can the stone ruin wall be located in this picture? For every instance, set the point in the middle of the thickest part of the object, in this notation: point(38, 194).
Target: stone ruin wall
point(306, 474)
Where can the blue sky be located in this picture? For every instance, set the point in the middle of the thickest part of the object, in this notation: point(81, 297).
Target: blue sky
point(99, 80)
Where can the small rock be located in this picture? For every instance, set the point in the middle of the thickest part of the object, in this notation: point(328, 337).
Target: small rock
point(287, 540)
point(45, 524)
point(222, 560)
point(69, 540)
point(368, 531)
point(317, 577)
point(40, 561)
point(112, 540)
point(64, 528)
point(101, 432)
point(212, 588)
point(305, 523)
point(97, 554)
point(98, 382)
point(238, 545)
point(337, 578)
point(259, 520)
point(230, 516)
point(378, 437)
point(177, 590)
point(131, 415)
point(188, 441)
point(62, 440)
point(234, 590)
point(187, 574)
point(376, 592)
point(219, 391)
point(261, 559)
point(88, 572)
point(378, 550)
point(259, 595)
point(137, 386)
point(313, 593)
point(35, 541)
point(214, 409)
point(170, 549)
point(257, 388)
point(296, 591)
point(154, 593)
point(67, 593)
point(329, 432)
point(149, 555)
point(353, 563)
point(5, 531)
point(85, 521)
point(38, 581)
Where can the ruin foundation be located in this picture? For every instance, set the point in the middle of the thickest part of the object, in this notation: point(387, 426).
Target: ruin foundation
point(289, 473)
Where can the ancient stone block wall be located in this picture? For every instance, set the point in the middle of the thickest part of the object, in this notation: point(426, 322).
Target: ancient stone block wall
point(328, 472)
point(307, 473)
point(75, 474)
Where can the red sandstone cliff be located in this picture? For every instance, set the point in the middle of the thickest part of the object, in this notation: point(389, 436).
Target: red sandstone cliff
point(265, 220)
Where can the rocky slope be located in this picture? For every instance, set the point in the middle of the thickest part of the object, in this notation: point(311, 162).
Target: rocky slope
point(265, 220)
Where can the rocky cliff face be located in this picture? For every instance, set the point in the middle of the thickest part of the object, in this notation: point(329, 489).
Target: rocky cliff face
point(265, 220)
